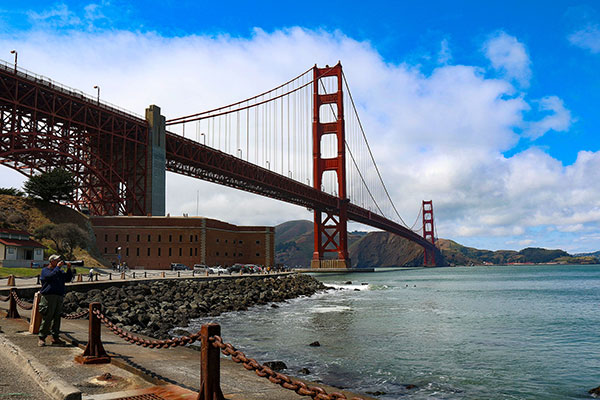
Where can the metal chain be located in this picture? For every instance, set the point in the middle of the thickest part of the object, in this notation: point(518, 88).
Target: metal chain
point(4, 298)
point(281, 379)
point(23, 304)
point(76, 315)
point(138, 341)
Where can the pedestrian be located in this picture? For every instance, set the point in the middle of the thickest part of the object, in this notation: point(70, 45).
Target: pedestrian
point(91, 276)
point(53, 280)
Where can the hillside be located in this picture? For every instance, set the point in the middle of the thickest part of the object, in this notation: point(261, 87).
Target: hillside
point(27, 214)
point(294, 246)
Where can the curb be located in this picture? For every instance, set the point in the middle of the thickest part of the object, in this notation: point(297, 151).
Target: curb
point(48, 381)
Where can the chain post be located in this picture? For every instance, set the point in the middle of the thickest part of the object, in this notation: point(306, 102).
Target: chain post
point(110, 276)
point(133, 274)
point(94, 351)
point(12, 305)
point(210, 378)
point(11, 281)
point(123, 275)
point(179, 274)
point(38, 280)
point(144, 274)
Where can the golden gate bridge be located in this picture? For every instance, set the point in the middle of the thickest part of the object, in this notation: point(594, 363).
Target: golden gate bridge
point(302, 142)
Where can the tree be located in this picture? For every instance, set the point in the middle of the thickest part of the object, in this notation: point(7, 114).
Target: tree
point(56, 185)
point(66, 237)
point(11, 191)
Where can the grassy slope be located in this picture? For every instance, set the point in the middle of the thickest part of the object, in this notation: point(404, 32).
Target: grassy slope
point(28, 214)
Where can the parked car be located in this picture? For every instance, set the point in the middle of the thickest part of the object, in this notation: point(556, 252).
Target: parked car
point(179, 267)
point(219, 270)
point(200, 267)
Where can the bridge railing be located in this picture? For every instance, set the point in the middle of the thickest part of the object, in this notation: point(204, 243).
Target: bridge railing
point(51, 84)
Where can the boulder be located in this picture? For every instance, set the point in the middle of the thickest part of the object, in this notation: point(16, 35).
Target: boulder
point(276, 365)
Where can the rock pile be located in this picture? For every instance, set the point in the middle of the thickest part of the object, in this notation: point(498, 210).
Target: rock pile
point(154, 308)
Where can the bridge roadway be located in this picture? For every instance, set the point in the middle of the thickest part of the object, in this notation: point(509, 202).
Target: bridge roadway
point(188, 157)
point(44, 125)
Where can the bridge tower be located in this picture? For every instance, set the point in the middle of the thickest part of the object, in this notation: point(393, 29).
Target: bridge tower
point(331, 235)
point(428, 232)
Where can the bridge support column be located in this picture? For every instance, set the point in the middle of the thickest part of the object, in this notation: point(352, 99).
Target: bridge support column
point(330, 225)
point(428, 233)
point(155, 170)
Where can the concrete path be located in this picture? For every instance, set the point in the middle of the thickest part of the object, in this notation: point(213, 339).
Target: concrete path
point(136, 367)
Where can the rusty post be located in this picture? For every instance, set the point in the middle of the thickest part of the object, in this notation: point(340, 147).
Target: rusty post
point(12, 305)
point(36, 318)
point(94, 351)
point(133, 274)
point(110, 276)
point(11, 281)
point(162, 274)
point(144, 274)
point(179, 274)
point(79, 278)
point(210, 378)
point(38, 280)
point(122, 275)
point(97, 277)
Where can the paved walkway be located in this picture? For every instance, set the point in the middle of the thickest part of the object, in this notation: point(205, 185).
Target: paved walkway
point(136, 367)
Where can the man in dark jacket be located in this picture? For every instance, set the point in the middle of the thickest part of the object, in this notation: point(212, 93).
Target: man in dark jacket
point(53, 280)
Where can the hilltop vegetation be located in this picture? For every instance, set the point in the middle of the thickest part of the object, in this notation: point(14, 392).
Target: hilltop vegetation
point(28, 214)
point(294, 246)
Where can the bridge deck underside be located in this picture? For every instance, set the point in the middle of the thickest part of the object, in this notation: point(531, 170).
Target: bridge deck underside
point(44, 127)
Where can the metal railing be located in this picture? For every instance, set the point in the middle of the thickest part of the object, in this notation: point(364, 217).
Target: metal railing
point(52, 84)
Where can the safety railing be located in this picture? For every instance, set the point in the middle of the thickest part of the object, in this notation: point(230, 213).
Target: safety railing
point(52, 84)
point(211, 343)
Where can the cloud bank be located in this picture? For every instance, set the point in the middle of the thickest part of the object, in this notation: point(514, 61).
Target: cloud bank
point(440, 135)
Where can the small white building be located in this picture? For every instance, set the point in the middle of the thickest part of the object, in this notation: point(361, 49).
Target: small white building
point(18, 250)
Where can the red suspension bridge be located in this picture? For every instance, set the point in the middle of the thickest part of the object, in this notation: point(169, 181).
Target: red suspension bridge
point(301, 142)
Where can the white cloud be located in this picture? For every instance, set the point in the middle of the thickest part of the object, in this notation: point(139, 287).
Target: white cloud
point(509, 56)
point(435, 136)
point(587, 38)
point(559, 120)
point(526, 242)
point(58, 16)
point(445, 54)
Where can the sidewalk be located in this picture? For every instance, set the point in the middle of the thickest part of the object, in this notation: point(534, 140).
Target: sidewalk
point(135, 367)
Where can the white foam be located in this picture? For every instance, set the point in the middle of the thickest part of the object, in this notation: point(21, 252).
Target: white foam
point(326, 309)
point(348, 287)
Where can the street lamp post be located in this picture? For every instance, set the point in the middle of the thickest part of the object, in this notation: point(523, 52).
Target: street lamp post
point(98, 97)
point(16, 54)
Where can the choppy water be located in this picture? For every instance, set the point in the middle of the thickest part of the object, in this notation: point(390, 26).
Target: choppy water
point(526, 332)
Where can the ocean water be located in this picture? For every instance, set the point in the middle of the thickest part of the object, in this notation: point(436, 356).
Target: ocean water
point(502, 332)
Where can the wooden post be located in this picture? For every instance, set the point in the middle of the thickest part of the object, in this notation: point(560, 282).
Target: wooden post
point(210, 365)
point(79, 278)
point(11, 281)
point(94, 350)
point(36, 317)
point(162, 274)
point(12, 305)
point(122, 275)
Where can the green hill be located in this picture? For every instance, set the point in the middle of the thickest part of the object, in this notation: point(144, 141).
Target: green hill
point(294, 246)
point(28, 214)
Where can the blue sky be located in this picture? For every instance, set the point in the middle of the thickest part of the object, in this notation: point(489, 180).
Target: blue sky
point(541, 60)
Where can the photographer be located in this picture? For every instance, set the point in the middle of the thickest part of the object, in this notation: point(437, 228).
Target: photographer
point(53, 280)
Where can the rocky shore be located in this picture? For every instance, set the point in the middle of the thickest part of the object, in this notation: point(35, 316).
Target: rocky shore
point(154, 308)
